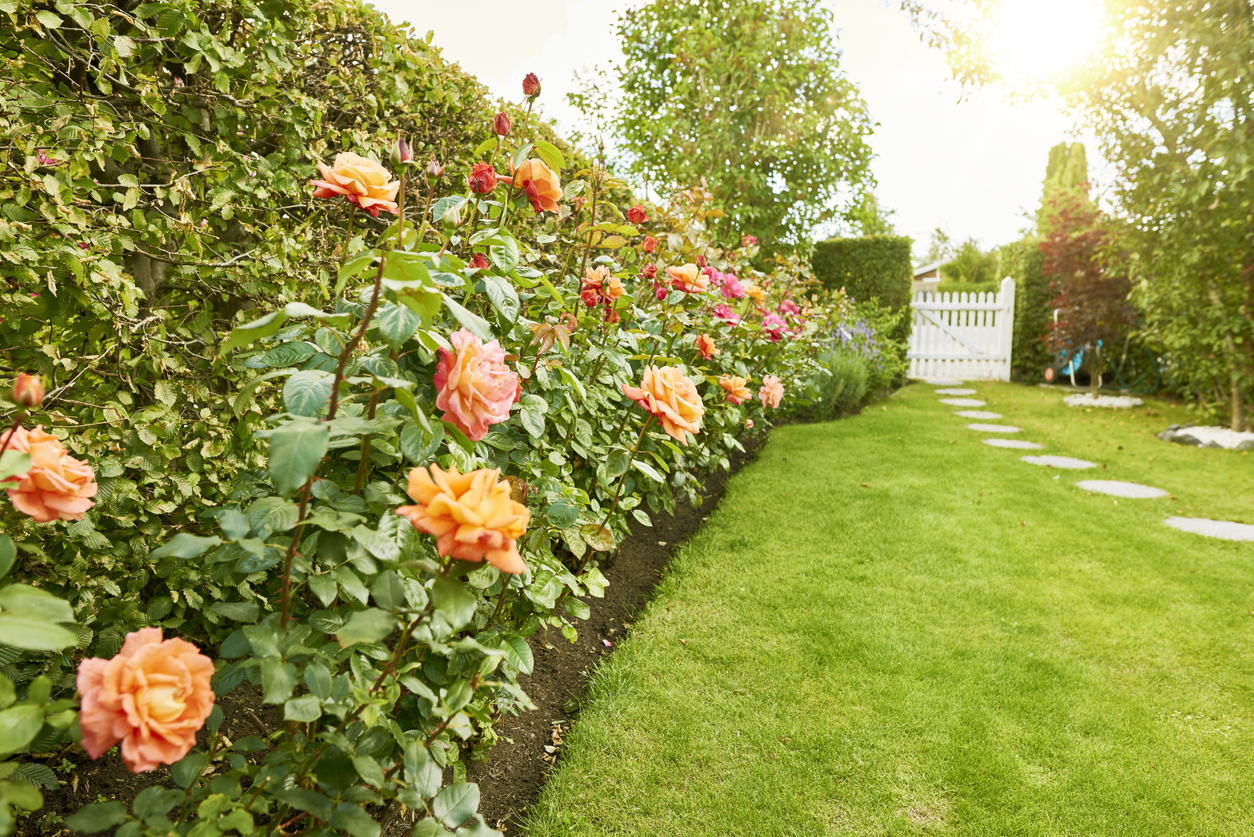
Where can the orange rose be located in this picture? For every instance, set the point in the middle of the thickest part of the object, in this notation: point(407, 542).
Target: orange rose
point(57, 486)
point(363, 182)
point(670, 396)
point(737, 392)
point(472, 516)
point(772, 391)
point(541, 184)
point(688, 279)
point(476, 387)
point(607, 287)
point(153, 697)
point(754, 291)
point(705, 345)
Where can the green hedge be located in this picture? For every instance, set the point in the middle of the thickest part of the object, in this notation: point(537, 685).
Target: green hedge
point(948, 287)
point(154, 168)
point(872, 267)
point(1023, 262)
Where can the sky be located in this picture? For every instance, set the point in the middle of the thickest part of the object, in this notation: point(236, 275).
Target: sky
point(972, 167)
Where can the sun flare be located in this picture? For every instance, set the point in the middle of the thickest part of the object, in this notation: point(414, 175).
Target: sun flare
point(1038, 38)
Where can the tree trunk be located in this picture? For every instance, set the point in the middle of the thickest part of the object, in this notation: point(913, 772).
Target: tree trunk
point(1095, 376)
point(1234, 371)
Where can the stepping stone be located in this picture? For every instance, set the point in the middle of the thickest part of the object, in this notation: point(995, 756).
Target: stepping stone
point(1118, 488)
point(963, 402)
point(1022, 444)
point(1119, 402)
point(978, 414)
point(943, 382)
point(993, 428)
point(1059, 462)
point(959, 391)
point(1222, 529)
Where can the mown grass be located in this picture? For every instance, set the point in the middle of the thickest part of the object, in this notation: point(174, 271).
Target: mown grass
point(890, 628)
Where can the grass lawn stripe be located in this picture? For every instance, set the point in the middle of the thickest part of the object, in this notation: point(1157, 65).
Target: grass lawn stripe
point(913, 657)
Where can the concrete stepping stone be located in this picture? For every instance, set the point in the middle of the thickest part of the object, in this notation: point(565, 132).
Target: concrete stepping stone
point(993, 428)
point(963, 402)
point(978, 414)
point(1223, 529)
point(1021, 444)
point(943, 382)
point(1118, 488)
point(1059, 462)
point(958, 391)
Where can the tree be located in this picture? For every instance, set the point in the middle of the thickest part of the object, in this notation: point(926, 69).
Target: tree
point(747, 96)
point(970, 264)
point(1067, 172)
point(1091, 280)
point(939, 248)
point(871, 219)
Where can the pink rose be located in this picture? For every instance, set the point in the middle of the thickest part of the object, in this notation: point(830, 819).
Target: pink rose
point(772, 391)
point(774, 326)
point(152, 697)
point(475, 386)
point(724, 312)
point(732, 288)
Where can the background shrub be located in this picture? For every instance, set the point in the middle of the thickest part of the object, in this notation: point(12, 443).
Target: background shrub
point(840, 385)
point(873, 267)
point(1023, 262)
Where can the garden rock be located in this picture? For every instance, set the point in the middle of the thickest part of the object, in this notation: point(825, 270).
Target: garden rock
point(1118, 488)
point(1067, 462)
point(1223, 529)
point(963, 402)
point(993, 428)
point(1208, 437)
point(978, 414)
point(1118, 402)
point(1021, 444)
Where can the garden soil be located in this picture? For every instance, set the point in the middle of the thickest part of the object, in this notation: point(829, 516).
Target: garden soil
point(512, 773)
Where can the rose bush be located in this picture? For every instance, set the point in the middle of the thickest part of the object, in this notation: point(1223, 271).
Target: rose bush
point(452, 356)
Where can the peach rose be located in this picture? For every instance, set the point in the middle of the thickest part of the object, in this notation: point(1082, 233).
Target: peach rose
point(772, 391)
point(473, 516)
point(737, 392)
point(602, 284)
point(754, 291)
point(57, 486)
point(153, 697)
point(688, 279)
point(476, 387)
point(705, 345)
point(28, 391)
point(670, 396)
point(541, 184)
point(363, 182)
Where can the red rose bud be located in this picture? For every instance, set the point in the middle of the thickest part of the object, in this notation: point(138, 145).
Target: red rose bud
point(482, 178)
point(501, 125)
point(650, 270)
point(650, 244)
point(479, 261)
point(611, 316)
point(636, 215)
point(28, 391)
point(590, 297)
point(402, 154)
point(701, 262)
point(531, 86)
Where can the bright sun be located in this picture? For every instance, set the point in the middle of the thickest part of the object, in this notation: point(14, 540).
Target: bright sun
point(1037, 38)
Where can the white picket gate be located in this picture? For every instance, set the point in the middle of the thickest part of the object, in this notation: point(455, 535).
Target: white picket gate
point(963, 335)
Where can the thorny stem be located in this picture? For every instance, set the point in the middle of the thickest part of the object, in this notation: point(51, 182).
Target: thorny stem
point(286, 593)
point(592, 223)
point(21, 414)
point(375, 298)
point(362, 467)
point(474, 684)
point(623, 478)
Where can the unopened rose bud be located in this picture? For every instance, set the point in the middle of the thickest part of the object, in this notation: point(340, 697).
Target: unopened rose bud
point(452, 217)
point(479, 261)
point(434, 171)
point(701, 262)
point(28, 391)
point(636, 215)
point(650, 270)
point(501, 124)
point(650, 244)
point(482, 178)
point(402, 155)
point(531, 86)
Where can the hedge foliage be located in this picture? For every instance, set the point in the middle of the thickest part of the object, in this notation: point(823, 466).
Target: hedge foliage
point(1023, 261)
point(872, 267)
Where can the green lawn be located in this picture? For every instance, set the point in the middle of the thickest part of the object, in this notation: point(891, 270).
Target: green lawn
point(888, 628)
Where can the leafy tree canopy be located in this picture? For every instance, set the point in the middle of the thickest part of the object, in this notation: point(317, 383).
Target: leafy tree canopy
point(749, 97)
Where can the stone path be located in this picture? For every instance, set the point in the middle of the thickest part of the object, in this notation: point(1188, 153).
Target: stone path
point(1224, 529)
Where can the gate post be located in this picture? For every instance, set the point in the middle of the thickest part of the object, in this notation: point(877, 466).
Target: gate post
point(1006, 326)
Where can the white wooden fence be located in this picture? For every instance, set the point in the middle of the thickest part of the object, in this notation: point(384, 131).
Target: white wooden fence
point(963, 335)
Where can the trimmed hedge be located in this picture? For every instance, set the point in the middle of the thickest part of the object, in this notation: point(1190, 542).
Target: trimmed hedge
point(948, 287)
point(1024, 262)
point(871, 267)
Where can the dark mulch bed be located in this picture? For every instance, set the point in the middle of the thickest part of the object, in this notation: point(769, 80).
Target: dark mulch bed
point(511, 775)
